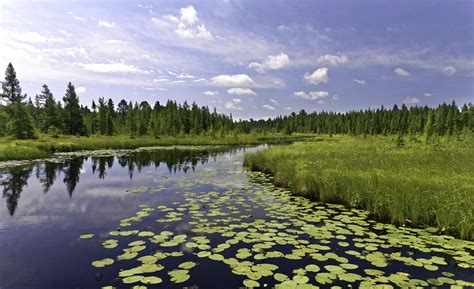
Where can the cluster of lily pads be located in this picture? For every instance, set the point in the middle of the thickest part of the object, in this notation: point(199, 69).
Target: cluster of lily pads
point(268, 237)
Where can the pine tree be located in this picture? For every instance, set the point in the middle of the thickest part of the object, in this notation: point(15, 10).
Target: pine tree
point(73, 121)
point(429, 127)
point(50, 119)
point(11, 86)
point(102, 116)
point(20, 125)
point(93, 121)
point(110, 117)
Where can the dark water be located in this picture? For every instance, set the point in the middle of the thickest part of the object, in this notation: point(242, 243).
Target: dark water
point(47, 206)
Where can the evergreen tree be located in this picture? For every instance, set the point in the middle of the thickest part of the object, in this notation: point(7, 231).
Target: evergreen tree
point(110, 117)
point(20, 125)
point(50, 118)
point(102, 116)
point(73, 121)
point(11, 86)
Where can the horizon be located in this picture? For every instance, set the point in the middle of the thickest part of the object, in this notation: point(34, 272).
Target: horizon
point(325, 56)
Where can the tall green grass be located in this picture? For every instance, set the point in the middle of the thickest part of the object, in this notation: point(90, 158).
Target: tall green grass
point(414, 184)
point(45, 146)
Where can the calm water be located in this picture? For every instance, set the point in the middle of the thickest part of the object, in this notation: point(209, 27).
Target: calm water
point(203, 193)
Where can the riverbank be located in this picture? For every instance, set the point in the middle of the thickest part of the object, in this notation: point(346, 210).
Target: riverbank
point(45, 146)
point(410, 183)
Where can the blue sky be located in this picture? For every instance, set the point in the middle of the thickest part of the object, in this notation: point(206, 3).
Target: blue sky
point(250, 58)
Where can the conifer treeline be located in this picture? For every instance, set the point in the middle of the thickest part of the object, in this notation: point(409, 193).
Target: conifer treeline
point(20, 118)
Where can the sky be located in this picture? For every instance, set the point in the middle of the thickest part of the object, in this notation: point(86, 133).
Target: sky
point(254, 59)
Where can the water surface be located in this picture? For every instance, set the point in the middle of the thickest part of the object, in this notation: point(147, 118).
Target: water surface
point(197, 217)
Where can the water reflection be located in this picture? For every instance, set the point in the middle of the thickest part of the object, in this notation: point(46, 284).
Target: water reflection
point(15, 179)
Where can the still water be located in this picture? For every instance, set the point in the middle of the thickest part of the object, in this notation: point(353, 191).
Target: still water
point(197, 217)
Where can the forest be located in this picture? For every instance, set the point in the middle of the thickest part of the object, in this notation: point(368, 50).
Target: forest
point(24, 117)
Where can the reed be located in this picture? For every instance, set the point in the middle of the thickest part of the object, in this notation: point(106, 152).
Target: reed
point(414, 184)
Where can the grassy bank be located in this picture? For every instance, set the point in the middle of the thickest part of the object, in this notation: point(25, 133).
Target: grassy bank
point(45, 146)
point(413, 184)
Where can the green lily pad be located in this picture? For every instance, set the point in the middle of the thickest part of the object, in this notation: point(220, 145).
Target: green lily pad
point(103, 262)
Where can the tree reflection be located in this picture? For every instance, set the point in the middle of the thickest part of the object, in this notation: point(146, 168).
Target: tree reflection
point(13, 183)
point(15, 179)
point(72, 169)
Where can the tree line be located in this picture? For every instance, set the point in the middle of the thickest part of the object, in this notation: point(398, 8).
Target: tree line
point(22, 117)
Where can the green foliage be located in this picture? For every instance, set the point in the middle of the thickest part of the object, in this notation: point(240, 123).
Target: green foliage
point(20, 125)
point(73, 121)
point(3, 123)
point(45, 145)
point(408, 184)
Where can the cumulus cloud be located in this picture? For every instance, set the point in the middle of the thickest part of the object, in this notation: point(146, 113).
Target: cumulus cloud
point(312, 95)
point(80, 89)
point(411, 100)
point(210, 92)
point(186, 25)
point(272, 62)
point(111, 67)
point(449, 70)
point(427, 94)
point(232, 80)
point(318, 76)
point(274, 101)
point(333, 59)
point(288, 108)
point(359, 81)
point(233, 104)
point(241, 91)
point(268, 107)
point(106, 24)
point(401, 72)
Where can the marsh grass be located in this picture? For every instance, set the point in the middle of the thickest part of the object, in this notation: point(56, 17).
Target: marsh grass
point(414, 184)
point(45, 146)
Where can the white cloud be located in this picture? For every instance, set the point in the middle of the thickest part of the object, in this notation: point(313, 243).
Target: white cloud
point(359, 81)
point(241, 91)
point(449, 70)
point(187, 25)
point(268, 107)
point(283, 28)
point(68, 34)
point(210, 92)
point(111, 67)
point(318, 76)
point(106, 24)
point(233, 104)
point(272, 62)
point(274, 101)
point(232, 80)
point(80, 89)
point(161, 80)
point(199, 80)
point(401, 72)
point(189, 15)
point(185, 76)
point(427, 94)
point(288, 108)
point(411, 100)
point(33, 37)
point(333, 59)
point(312, 95)
point(156, 88)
